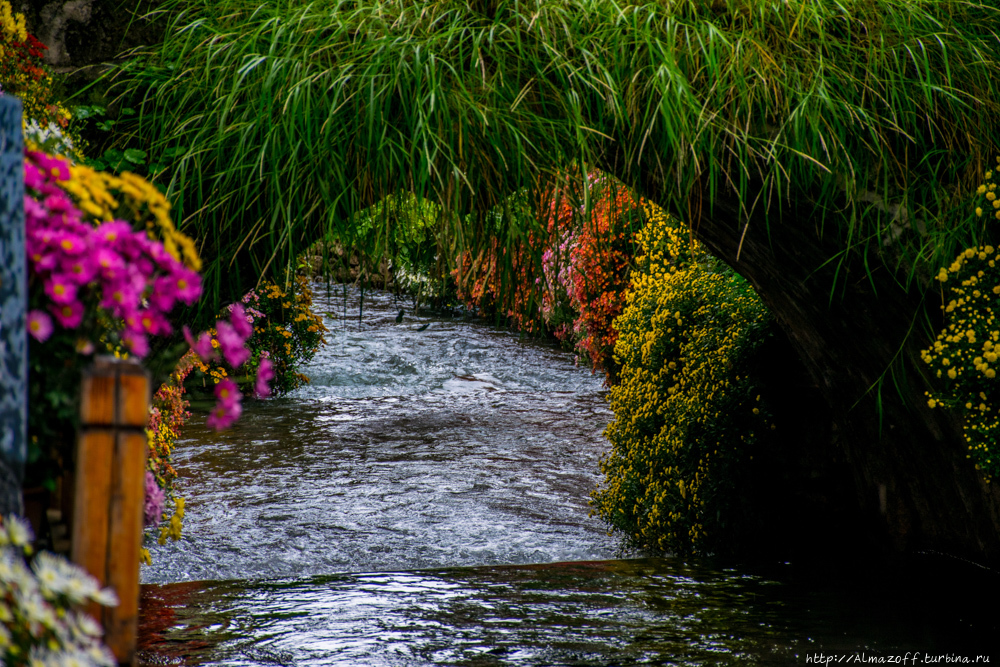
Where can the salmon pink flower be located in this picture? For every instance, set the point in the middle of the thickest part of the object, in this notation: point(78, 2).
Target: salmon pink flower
point(39, 325)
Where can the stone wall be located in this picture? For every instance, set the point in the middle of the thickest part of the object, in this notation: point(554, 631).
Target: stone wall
point(85, 33)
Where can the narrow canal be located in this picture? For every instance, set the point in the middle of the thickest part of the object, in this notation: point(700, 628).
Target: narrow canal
point(424, 501)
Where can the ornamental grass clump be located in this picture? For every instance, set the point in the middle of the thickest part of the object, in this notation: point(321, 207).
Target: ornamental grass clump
point(964, 356)
point(687, 409)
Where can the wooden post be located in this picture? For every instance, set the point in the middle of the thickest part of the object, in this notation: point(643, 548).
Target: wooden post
point(110, 491)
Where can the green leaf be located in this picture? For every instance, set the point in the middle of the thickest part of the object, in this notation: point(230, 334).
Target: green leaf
point(135, 156)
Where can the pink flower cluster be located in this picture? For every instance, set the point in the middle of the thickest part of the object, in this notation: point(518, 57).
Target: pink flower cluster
point(153, 506)
point(124, 272)
point(231, 338)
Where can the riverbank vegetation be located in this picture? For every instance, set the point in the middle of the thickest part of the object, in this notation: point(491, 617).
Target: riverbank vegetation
point(506, 147)
point(688, 410)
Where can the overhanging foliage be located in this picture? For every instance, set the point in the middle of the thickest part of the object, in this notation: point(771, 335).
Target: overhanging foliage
point(295, 117)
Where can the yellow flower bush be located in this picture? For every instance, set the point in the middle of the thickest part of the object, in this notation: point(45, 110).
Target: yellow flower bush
point(103, 196)
point(965, 356)
point(686, 411)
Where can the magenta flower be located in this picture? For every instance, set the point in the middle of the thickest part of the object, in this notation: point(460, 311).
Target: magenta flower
point(39, 325)
point(188, 284)
point(71, 244)
point(223, 415)
point(153, 322)
point(137, 343)
point(202, 347)
point(265, 373)
point(109, 262)
point(110, 233)
point(231, 344)
point(69, 315)
point(227, 392)
point(61, 289)
point(153, 507)
point(240, 321)
point(164, 294)
point(81, 269)
point(50, 164)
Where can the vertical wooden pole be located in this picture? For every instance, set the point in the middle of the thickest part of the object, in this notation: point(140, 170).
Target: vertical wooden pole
point(110, 490)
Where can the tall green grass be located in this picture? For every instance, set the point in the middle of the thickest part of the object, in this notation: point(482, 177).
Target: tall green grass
point(295, 116)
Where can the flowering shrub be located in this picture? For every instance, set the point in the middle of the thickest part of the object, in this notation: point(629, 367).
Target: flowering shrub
point(94, 284)
point(687, 411)
point(575, 290)
point(965, 354)
point(167, 416)
point(557, 278)
point(282, 333)
point(42, 621)
point(590, 264)
point(22, 73)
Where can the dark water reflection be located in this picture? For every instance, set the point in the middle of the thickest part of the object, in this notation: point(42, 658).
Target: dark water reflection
point(424, 501)
point(649, 611)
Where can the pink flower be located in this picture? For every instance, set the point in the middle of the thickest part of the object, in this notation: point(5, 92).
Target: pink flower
point(71, 244)
point(109, 262)
point(188, 284)
point(82, 269)
point(137, 343)
point(153, 507)
point(227, 392)
point(240, 321)
point(231, 344)
point(61, 289)
point(120, 297)
point(223, 415)
point(69, 314)
point(152, 322)
point(202, 347)
point(39, 325)
point(164, 294)
point(112, 232)
point(50, 164)
point(265, 373)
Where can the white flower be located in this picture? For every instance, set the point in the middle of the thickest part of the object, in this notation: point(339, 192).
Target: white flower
point(15, 531)
point(106, 597)
point(85, 625)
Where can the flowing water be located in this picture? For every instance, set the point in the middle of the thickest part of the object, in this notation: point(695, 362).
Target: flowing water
point(424, 501)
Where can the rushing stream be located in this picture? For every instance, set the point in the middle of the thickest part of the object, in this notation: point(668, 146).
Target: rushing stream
point(424, 501)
